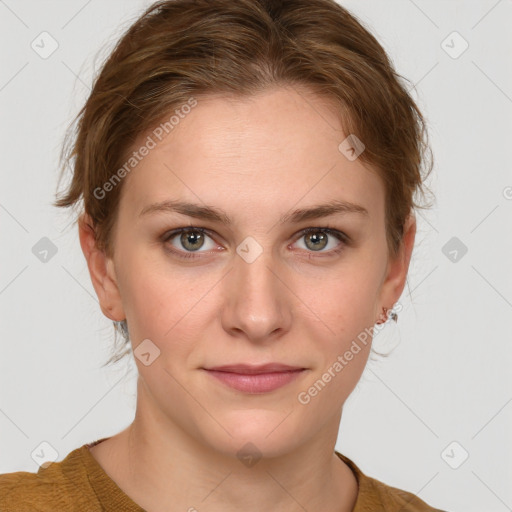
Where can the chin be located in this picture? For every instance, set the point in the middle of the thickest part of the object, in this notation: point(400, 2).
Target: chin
point(261, 431)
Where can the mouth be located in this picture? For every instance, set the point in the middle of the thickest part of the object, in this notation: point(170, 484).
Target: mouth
point(255, 379)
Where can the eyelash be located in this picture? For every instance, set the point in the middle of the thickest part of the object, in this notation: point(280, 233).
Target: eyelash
point(342, 237)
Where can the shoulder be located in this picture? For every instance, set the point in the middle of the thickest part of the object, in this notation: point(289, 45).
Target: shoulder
point(376, 495)
point(394, 499)
point(57, 486)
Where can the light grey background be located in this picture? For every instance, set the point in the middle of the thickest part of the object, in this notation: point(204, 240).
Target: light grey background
point(449, 377)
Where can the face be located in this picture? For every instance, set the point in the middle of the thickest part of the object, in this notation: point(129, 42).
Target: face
point(246, 284)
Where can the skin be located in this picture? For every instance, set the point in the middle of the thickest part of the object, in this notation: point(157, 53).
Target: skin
point(256, 159)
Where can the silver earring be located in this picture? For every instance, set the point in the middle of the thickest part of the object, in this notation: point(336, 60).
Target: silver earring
point(385, 315)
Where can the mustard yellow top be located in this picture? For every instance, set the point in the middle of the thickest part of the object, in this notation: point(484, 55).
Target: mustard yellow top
point(79, 484)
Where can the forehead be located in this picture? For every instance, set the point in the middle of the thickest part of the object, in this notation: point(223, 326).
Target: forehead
point(265, 153)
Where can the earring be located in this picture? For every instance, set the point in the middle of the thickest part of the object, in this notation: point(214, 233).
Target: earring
point(393, 315)
point(384, 316)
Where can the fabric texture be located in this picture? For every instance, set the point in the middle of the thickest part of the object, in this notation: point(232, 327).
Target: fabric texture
point(79, 484)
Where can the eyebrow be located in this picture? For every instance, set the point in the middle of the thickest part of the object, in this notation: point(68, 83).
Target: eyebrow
point(216, 215)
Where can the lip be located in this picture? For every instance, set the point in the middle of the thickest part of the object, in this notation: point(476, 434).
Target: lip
point(252, 369)
point(255, 379)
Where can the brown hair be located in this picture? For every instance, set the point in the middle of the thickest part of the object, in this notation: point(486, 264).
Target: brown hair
point(179, 50)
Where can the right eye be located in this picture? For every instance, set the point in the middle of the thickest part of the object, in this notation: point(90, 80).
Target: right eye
point(191, 239)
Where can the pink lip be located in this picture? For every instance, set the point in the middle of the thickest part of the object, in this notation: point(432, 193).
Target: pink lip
point(255, 379)
point(254, 368)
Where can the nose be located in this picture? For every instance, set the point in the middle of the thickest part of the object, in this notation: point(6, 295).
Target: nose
point(258, 303)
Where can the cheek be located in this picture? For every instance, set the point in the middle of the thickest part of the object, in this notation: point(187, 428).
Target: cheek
point(149, 298)
point(166, 305)
point(344, 349)
point(346, 301)
point(346, 304)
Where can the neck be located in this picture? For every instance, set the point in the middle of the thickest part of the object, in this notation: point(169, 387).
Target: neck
point(154, 461)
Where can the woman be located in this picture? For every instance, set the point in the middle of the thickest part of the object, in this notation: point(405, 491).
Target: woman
point(247, 171)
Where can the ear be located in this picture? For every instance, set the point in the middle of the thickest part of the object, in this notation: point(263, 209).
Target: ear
point(396, 273)
point(102, 271)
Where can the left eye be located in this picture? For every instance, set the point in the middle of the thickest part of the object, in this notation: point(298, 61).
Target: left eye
point(317, 239)
point(192, 239)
